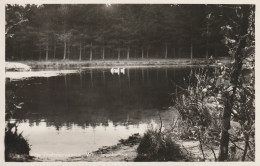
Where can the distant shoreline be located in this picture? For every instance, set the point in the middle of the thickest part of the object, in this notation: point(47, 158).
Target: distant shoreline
point(56, 64)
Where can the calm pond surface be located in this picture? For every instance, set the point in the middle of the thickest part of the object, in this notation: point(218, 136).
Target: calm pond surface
point(77, 113)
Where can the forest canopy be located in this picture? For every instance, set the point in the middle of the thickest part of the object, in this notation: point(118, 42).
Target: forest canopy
point(127, 31)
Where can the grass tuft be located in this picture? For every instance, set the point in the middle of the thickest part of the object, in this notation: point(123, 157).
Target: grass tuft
point(158, 146)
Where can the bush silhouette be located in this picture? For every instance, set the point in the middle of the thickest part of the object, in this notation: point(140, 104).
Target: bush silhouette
point(158, 146)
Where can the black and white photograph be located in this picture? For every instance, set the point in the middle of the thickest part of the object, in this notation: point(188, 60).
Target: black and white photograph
point(129, 82)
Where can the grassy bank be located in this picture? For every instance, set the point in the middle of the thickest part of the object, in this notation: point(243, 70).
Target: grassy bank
point(114, 63)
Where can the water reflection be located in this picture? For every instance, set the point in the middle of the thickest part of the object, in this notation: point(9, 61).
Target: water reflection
point(80, 112)
point(73, 140)
point(96, 96)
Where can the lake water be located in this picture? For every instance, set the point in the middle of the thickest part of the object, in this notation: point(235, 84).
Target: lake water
point(77, 113)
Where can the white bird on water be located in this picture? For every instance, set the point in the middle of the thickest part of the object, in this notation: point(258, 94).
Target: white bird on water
point(117, 70)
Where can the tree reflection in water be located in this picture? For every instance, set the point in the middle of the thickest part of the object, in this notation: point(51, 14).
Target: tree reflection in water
point(93, 98)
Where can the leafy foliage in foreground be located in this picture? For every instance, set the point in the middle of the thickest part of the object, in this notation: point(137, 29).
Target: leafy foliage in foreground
point(201, 108)
point(15, 143)
point(224, 101)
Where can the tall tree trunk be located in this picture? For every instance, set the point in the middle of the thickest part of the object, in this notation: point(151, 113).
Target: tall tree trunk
point(40, 57)
point(47, 50)
point(191, 50)
point(142, 53)
point(103, 53)
point(207, 51)
point(166, 51)
point(80, 51)
point(246, 137)
point(54, 51)
point(68, 50)
point(65, 49)
point(128, 53)
point(237, 67)
point(90, 57)
point(147, 53)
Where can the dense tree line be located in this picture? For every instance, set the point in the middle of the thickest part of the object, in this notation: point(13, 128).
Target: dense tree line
point(99, 31)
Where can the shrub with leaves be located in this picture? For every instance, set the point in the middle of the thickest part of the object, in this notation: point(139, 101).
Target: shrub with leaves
point(15, 143)
point(158, 146)
point(224, 102)
point(200, 107)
